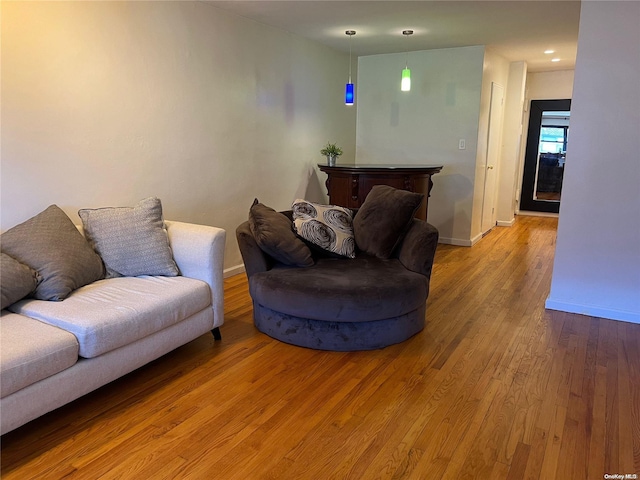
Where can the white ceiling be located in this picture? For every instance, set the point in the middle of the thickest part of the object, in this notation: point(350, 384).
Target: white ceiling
point(516, 29)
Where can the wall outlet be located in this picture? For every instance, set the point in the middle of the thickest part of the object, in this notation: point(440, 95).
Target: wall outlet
point(462, 144)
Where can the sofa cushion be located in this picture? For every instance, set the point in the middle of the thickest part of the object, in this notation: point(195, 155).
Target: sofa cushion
point(384, 218)
point(328, 227)
point(52, 245)
point(114, 312)
point(132, 241)
point(274, 234)
point(31, 351)
point(366, 288)
point(18, 280)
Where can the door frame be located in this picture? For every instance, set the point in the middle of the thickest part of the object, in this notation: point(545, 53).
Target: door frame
point(527, 201)
point(494, 139)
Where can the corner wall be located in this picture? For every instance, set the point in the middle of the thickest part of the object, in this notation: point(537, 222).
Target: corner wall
point(105, 103)
point(495, 69)
point(508, 182)
point(423, 126)
point(597, 263)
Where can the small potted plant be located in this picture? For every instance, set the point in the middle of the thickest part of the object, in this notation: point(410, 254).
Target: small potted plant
point(332, 152)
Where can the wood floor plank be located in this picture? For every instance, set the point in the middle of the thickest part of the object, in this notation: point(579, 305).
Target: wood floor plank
point(625, 403)
point(460, 456)
point(495, 386)
point(519, 463)
point(554, 444)
point(633, 360)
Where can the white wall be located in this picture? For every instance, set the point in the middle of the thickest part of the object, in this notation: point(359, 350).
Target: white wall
point(509, 181)
point(449, 100)
point(550, 85)
point(423, 126)
point(597, 262)
point(105, 103)
point(495, 69)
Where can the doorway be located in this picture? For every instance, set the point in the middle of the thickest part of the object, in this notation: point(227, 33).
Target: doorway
point(545, 155)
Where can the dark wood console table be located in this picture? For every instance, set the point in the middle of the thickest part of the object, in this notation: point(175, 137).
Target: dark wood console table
point(348, 185)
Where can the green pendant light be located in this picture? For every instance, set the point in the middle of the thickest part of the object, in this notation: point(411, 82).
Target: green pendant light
point(405, 84)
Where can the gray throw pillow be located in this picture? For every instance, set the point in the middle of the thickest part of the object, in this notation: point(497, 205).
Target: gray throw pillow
point(132, 241)
point(17, 280)
point(384, 218)
point(51, 244)
point(328, 227)
point(274, 234)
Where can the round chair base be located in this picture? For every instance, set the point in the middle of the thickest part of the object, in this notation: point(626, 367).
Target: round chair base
point(338, 336)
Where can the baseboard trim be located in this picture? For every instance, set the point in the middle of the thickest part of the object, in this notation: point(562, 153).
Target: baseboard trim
point(454, 241)
point(593, 311)
point(509, 223)
point(459, 242)
point(527, 213)
point(235, 270)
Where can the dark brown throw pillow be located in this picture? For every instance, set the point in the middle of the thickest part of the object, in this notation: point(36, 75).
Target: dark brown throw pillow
point(275, 236)
point(17, 281)
point(51, 244)
point(383, 219)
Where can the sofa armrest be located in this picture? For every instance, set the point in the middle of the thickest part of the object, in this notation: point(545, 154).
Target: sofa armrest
point(198, 250)
point(255, 260)
point(418, 248)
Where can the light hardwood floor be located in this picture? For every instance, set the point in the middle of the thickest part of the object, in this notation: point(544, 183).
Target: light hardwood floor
point(494, 387)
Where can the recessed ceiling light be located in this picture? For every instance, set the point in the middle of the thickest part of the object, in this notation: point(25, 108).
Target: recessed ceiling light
point(549, 52)
point(555, 59)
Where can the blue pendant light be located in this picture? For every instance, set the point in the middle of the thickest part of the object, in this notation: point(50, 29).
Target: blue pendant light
point(349, 95)
point(405, 84)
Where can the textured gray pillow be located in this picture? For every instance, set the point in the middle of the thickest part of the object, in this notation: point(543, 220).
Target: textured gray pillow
point(50, 244)
point(328, 227)
point(17, 280)
point(274, 235)
point(132, 241)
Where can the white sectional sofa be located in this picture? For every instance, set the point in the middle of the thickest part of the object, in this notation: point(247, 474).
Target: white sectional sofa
point(53, 352)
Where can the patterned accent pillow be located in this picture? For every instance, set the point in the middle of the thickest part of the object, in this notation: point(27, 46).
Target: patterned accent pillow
point(132, 241)
point(51, 245)
point(326, 226)
point(18, 280)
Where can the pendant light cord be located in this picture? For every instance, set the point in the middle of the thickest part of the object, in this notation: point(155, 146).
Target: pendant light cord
point(351, 33)
point(406, 33)
point(349, 58)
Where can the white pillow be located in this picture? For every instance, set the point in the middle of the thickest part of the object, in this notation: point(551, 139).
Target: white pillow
point(132, 241)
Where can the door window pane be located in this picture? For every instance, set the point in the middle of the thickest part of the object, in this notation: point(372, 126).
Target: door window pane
point(552, 139)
